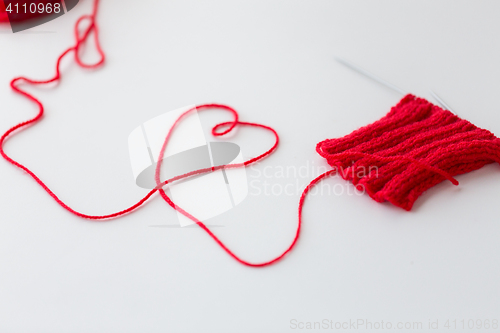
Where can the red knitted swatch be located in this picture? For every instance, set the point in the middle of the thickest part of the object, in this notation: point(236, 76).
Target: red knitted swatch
point(414, 147)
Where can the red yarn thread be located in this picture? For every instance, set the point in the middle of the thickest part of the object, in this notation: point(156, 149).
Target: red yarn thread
point(3, 14)
point(414, 147)
point(4, 18)
point(17, 15)
point(80, 39)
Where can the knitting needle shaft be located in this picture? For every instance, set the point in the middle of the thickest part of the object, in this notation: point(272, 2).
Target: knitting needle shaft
point(441, 102)
point(369, 75)
point(388, 84)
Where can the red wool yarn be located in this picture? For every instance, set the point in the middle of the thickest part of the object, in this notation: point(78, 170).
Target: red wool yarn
point(414, 147)
point(17, 15)
point(82, 33)
point(3, 14)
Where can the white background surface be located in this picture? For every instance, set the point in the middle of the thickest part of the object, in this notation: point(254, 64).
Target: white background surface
point(273, 61)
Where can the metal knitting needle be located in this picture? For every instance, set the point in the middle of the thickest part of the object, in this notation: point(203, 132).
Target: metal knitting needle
point(370, 75)
point(441, 102)
point(374, 77)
